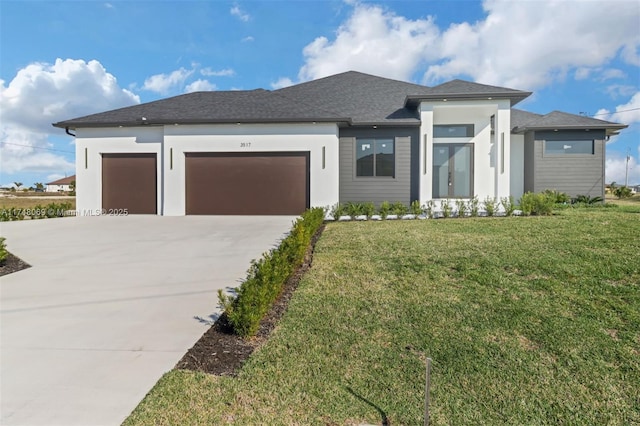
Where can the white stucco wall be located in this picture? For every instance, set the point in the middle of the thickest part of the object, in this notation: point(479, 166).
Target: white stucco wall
point(253, 138)
point(92, 143)
point(491, 176)
point(171, 143)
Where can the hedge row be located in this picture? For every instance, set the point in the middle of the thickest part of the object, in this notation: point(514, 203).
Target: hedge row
point(266, 277)
point(38, 212)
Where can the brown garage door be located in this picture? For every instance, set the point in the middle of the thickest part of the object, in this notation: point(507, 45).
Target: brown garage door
point(129, 182)
point(247, 183)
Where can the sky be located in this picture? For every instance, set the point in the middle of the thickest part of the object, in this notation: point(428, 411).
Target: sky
point(65, 59)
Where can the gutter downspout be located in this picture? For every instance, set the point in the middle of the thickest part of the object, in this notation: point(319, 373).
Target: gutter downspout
point(66, 129)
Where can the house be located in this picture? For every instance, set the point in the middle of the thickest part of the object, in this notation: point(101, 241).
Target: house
point(347, 137)
point(61, 185)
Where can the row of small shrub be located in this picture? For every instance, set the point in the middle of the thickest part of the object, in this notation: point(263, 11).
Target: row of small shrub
point(432, 209)
point(38, 212)
point(267, 276)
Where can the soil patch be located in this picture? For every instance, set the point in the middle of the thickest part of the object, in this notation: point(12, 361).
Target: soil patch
point(12, 264)
point(221, 353)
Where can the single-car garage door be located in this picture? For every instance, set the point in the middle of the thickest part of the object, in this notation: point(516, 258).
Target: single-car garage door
point(129, 182)
point(247, 183)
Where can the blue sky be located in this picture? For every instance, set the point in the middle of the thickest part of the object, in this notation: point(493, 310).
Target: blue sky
point(60, 60)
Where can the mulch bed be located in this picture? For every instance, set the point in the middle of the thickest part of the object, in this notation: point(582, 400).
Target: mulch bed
point(12, 264)
point(221, 353)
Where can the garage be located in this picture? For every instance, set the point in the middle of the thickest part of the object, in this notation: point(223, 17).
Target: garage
point(129, 183)
point(265, 183)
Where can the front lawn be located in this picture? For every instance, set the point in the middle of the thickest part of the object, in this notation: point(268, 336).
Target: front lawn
point(530, 320)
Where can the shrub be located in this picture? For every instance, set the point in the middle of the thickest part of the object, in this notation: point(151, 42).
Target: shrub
point(461, 207)
point(267, 276)
point(445, 208)
point(3, 251)
point(428, 208)
point(508, 205)
point(339, 210)
point(415, 208)
point(557, 197)
point(540, 204)
point(399, 209)
point(385, 209)
point(355, 209)
point(622, 192)
point(585, 199)
point(490, 206)
point(473, 206)
point(369, 209)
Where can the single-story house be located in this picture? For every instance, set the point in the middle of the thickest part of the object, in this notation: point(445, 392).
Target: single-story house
point(63, 184)
point(347, 137)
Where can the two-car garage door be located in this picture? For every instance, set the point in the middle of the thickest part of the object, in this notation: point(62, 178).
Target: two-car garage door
point(216, 183)
point(247, 183)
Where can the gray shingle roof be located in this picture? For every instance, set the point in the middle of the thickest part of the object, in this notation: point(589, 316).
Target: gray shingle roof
point(461, 89)
point(367, 99)
point(210, 107)
point(563, 120)
point(350, 97)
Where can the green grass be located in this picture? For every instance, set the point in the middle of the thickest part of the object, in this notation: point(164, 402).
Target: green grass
point(529, 321)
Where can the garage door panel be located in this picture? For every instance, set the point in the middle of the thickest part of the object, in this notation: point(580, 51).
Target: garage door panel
point(129, 181)
point(247, 183)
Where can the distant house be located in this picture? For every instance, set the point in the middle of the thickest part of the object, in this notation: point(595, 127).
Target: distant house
point(350, 137)
point(61, 185)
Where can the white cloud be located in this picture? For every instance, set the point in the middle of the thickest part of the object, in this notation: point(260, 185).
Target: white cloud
point(239, 13)
point(525, 45)
point(41, 94)
point(372, 40)
point(282, 82)
point(247, 39)
point(620, 90)
point(163, 83)
point(200, 86)
point(628, 113)
point(208, 72)
point(53, 177)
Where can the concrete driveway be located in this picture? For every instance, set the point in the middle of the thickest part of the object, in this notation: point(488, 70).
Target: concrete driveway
point(109, 305)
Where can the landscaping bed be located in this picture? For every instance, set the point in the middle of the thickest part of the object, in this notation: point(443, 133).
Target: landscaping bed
point(221, 352)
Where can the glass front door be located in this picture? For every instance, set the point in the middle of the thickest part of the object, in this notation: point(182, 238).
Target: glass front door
point(452, 170)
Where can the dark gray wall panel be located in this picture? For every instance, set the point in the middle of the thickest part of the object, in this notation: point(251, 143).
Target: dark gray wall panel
point(377, 190)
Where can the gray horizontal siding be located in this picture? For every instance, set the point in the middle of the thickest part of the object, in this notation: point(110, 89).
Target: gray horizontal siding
point(381, 189)
point(573, 174)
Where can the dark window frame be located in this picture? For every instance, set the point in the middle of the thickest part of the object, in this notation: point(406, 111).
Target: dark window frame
point(469, 130)
point(374, 160)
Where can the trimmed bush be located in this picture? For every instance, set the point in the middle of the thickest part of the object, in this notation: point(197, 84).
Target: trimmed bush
point(540, 204)
point(385, 209)
point(3, 251)
point(266, 277)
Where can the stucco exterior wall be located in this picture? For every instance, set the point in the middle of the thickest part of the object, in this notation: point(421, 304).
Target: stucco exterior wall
point(170, 143)
point(92, 143)
point(491, 175)
point(311, 138)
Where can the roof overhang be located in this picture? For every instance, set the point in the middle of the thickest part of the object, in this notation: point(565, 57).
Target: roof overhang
point(162, 122)
point(610, 130)
point(514, 97)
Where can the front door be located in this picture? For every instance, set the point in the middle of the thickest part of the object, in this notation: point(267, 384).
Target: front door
point(452, 170)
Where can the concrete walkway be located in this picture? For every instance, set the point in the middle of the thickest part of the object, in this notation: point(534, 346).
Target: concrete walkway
point(109, 305)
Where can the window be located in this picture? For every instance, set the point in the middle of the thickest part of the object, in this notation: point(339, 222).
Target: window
point(568, 147)
point(375, 158)
point(452, 170)
point(453, 131)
